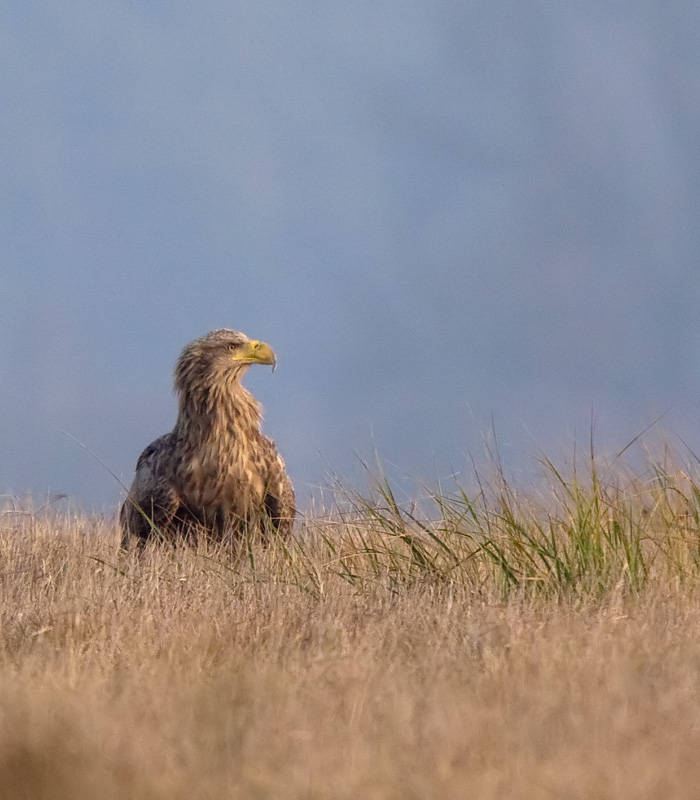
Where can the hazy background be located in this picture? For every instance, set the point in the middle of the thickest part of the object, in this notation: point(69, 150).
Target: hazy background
point(438, 213)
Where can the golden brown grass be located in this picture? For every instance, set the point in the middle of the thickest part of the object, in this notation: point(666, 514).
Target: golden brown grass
point(540, 646)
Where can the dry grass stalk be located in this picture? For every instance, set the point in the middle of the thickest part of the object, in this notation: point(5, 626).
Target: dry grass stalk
point(510, 647)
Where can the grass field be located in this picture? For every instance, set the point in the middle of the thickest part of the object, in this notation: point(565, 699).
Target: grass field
point(494, 644)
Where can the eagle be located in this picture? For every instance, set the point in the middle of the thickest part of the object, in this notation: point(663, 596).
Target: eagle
point(215, 473)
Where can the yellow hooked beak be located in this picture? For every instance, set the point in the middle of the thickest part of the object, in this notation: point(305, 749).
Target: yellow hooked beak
point(256, 353)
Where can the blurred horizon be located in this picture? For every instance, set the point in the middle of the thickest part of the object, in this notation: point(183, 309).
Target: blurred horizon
point(445, 217)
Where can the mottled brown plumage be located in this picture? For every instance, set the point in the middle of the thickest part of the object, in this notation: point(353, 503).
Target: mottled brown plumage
point(215, 472)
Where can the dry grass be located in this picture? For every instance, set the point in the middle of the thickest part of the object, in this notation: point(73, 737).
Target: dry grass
point(540, 646)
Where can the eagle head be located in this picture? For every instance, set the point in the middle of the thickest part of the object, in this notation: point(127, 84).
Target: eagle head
point(219, 356)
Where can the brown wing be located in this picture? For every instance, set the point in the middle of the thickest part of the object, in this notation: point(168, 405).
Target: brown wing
point(279, 497)
point(152, 501)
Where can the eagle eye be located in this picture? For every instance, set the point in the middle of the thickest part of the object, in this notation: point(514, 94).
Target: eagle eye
point(233, 346)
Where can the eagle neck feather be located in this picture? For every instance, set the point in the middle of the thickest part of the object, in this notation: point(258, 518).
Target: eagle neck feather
point(215, 412)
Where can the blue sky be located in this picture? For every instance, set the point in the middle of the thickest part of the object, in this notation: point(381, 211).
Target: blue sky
point(440, 214)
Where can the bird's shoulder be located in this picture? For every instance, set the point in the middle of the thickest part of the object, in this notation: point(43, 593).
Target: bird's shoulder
point(156, 466)
point(277, 469)
point(157, 452)
point(269, 449)
point(152, 498)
